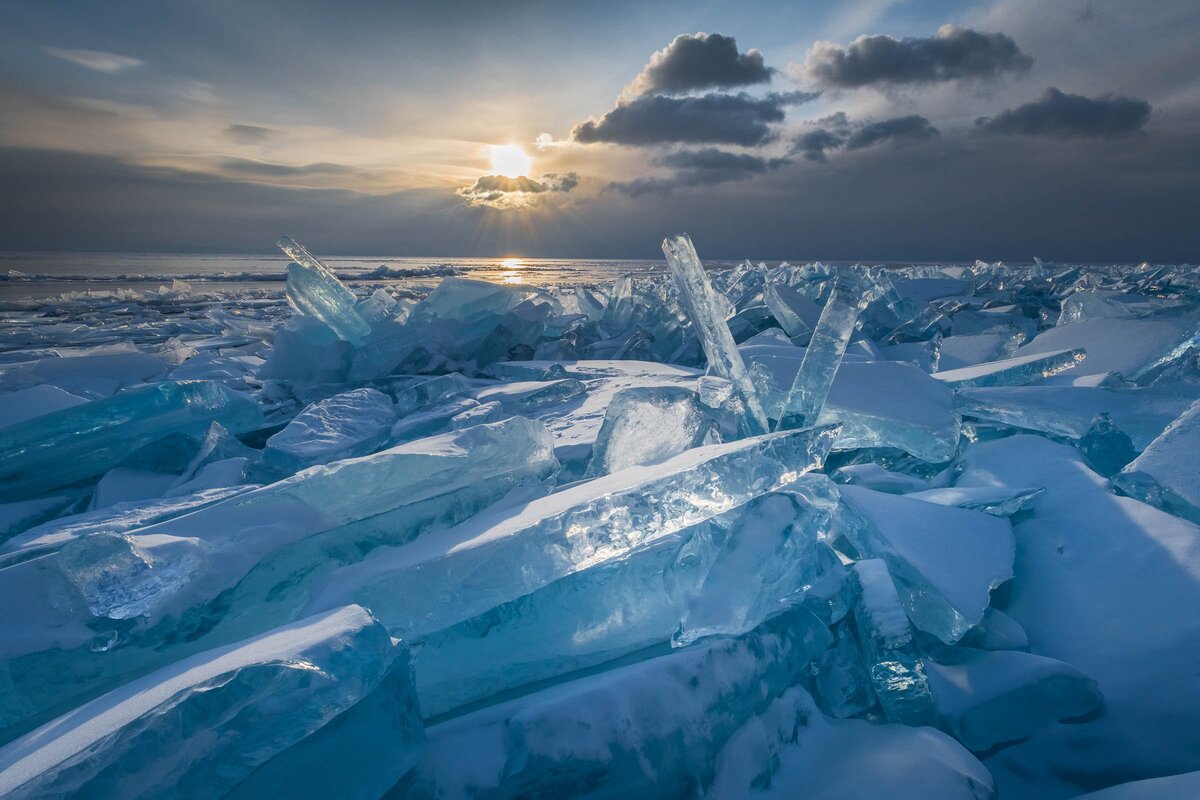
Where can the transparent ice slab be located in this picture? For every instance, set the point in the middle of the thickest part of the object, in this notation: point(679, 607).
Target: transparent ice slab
point(312, 289)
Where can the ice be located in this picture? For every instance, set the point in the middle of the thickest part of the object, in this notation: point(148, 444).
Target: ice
point(1000, 501)
point(796, 313)
point(442, 580)
point(992, 697)
point(312, 289)
point(1070, 411)
point(343, 426)
point(720, 576)
point(945, 560)
point(647, 425)
point(64, 446)
point(123, 485)
point(1106, 447)
point(956, 351)
point(36, 401)
point(1171, 787)
point(1077, 547)
point(822, 357)
point(645, 728)
point(890, 404)
point(1127, 346)
point(91, 374)
point(181, 572)
point(430, 391)
point(279, 712)
point(708, 318)
point(526, 395)
point(1167, 474)
point(873, 476)
point(896, 671)
point(24, 514)
point(1016, 371)
point(792, 750)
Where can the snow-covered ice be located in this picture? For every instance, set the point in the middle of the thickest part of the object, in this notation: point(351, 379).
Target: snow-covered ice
point(453, 538)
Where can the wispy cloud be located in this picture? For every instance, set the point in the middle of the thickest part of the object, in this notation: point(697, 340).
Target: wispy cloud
point(110, 63)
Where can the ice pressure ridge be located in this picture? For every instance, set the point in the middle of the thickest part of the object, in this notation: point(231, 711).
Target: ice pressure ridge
point(765, 531)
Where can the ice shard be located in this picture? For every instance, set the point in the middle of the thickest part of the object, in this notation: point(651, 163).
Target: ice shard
point(1016, 371)
point(643, 425)
point(284, 712)
point(793, 311)
point(1167, 474)
point(312, 289)
point(700, 301)
point(722, 576)
point(346, 425)
point(495, 558)
point(945, 560)
point(73, 443)
point(115, 604)
point(991, 697)
point(644, 728)
point(824, 353)
point(896, 670)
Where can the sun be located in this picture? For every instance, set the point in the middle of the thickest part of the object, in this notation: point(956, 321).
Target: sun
point(510, 161)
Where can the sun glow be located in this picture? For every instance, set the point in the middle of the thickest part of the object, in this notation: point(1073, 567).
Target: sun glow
point(510, 161)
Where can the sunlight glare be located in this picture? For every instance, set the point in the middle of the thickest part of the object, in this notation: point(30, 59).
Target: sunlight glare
point(510, 161)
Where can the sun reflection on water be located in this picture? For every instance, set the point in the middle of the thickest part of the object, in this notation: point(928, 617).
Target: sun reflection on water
point(512, 270)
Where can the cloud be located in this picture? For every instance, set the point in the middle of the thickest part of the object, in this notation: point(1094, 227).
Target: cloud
point(910, 128)
point(738, 119)
point(1064, 116)
point(700, 61)
point(501, 191)
point(837, 132)
point(249, 134)
point(245, 167)
point(110, 63)
point(953, 53)
point(702, 167)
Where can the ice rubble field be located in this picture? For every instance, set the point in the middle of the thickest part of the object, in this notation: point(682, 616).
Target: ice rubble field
point(760, 532)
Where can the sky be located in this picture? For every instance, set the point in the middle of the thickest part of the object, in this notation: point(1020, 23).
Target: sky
point(863, 130)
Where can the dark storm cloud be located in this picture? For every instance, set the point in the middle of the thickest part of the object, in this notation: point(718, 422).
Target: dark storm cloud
point(1060, 115)
point(911, 128)
point(738, 119)
point(703, 167)
point(249, 134)
point(501, 191)
point(837, 132)
point(700, 61)
point(953, 53)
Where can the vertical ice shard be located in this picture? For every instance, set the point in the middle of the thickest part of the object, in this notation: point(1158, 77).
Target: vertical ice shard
point(700, 301)
point(824, 353)
point(284, 711)
point(312, 289)
point(64, 446)
point(897, 674)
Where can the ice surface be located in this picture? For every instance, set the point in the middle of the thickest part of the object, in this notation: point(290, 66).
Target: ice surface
point(1171, 787)
point(312, 289)
point(279, 711)
point(1127, 346)
point(796, 313)
point(806, 398)
point(646, 425)
point(64, 446)
point(876, 477)
point(706, 313)
point(1167, 474)
point(343, 426)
